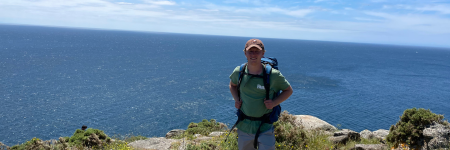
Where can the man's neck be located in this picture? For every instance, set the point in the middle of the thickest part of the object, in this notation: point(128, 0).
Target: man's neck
point(255, 69)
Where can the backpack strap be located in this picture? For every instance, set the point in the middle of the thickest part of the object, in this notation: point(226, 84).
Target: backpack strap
point(241, 116)
point(241, 75)
point(239, 113)
point(266, 77)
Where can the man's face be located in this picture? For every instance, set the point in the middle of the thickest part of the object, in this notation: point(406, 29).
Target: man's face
point(254, 55)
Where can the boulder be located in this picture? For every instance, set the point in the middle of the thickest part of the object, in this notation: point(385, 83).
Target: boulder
point(159, 143)
point(204, 138)
point(366, 134)
point(223, 126)
point(381, 133)
point(313, 123)
point(216, 134)
point(174, 133)
point(436, 130)
point(369, 147)
point(437, 136)
point(197, 135)
point(94, 140)
point(3, 146)
point(344, 136)
point(62, 140)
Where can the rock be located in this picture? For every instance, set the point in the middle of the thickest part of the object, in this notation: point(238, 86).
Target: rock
point(202, 139)
point(3, 146)
point(436, 130)
point(338, 139)
point(313, 123)
point(381, 133)
point(344, 136)
point(62, 140)
point(93, 140)
point(159, 143)
point(437, 136)
point(369, 147)
point(216, 134)
point(174, 133)
point(52, 142)
point(366, 134)
point(197, 135)
point(223, 126)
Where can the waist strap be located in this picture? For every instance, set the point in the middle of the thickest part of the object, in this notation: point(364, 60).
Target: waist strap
point(241, 116)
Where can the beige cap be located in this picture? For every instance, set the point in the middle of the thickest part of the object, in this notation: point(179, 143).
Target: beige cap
point(254, 43)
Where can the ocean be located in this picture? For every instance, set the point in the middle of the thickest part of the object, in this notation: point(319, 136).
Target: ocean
point(54, 80)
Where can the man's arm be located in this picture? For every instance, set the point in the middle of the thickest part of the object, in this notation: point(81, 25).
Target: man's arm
point(285, 94)
point(234, 92)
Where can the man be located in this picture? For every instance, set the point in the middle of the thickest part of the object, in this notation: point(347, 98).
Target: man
point(252, 101)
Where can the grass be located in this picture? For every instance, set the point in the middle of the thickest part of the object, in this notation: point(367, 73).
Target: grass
point(128, 137)
point(79, 141)
point(288, 135)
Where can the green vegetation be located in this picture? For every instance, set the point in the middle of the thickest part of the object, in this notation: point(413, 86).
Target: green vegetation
point(205, 127)
point(408, 132)
point(34, 143)
point(90, 137)
point(409, 129)
point(288, 136)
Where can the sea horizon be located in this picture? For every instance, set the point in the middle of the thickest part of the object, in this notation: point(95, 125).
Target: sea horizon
point(249, 37)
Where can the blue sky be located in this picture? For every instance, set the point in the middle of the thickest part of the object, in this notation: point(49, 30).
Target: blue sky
point(401, 22)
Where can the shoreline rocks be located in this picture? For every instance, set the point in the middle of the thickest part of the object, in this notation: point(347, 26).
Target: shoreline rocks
point(3, 146)
point(341, 137)
point(174, 133)
point(313, 123)
point(436, 136)
point(153, 143)
point(370, 147)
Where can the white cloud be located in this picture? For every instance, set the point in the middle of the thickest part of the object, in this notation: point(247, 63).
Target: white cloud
point(160, 2)
point(348, 8)
point(124, 3)
point(208, 10)
point(254, 2)
point(275, 21)
point(444, 9)
point(261, 11)
point(441, 8)
point(413, 23)
point(378, 1)
point(299, 13)
point(368, 19)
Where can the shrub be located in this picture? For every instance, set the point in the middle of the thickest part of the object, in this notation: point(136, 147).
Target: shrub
point(288, 134)
point(90, 137)
point(204, 128)
point(409, 129)
point(32, 144)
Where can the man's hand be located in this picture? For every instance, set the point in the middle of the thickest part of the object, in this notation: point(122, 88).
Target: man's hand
point(269, 103)
point(237, 104)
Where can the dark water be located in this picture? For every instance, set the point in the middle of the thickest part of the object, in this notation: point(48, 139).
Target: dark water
point(54, 80)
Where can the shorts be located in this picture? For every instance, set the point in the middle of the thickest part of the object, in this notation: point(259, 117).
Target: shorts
point(266, 140)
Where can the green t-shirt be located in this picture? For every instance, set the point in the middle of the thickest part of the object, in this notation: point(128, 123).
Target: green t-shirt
point(253, 95)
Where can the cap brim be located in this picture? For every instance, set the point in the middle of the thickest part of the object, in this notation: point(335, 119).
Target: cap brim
point(257, 46)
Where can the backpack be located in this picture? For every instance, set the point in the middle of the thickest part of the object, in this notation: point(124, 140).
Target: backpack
point(270, 118)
